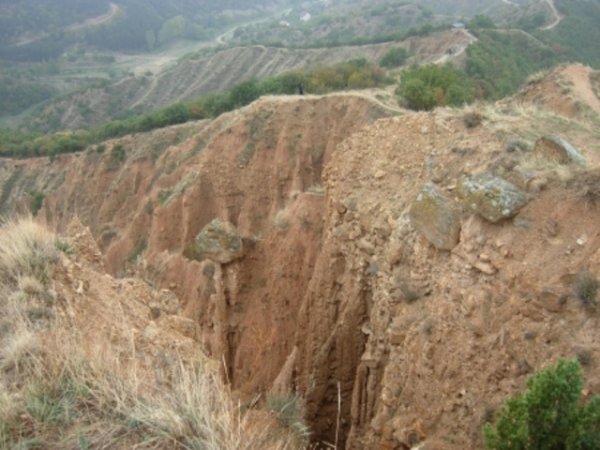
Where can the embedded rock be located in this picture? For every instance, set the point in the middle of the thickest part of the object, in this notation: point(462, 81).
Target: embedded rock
point(220, 241)
point(436, 217)
point(554, 148)
point(492, 198)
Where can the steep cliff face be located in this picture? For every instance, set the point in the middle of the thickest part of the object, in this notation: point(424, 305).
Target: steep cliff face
point(259, 168)
point(334, 291)
point(424, 344)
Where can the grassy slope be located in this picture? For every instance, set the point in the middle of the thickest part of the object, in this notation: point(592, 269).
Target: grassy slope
point(66, 382)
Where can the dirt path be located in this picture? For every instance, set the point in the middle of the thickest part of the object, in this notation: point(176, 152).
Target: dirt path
point(580, 76)
point(557, 16)
point(113, 10)
point(508, 2)
point(456, 51)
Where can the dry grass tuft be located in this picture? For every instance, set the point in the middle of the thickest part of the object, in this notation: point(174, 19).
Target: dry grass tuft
point(472, 119)
point(63, 387)
point(26, 248)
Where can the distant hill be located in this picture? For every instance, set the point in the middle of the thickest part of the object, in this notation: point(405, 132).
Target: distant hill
point(33, 30)
point(369, 21)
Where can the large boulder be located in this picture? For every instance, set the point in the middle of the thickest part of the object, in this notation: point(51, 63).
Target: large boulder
point(492, 198)
point(556, 149)
point(219, 241)
point(436, 217)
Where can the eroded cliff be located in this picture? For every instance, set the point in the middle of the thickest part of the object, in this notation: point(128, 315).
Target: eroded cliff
point(337, 294)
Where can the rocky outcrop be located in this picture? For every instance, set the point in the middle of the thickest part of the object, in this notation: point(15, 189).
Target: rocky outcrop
point(557, 149)
point(436, 217)
point(492, 198)
point(219, 241)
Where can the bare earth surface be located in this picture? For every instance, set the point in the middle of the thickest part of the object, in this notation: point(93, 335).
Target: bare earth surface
point(580, 77)
point(336, 292)
point(112, 12)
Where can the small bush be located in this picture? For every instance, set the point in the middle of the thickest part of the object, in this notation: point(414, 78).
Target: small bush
point(37, 200)
point(118, 153)
point(425, 87)
point(549, 415)
point(64, 246)
point(288, 409)
point(472, 119)
point(586, 288)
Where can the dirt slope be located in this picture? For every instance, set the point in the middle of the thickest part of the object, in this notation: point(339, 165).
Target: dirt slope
point(337, 293)
point(567, 90)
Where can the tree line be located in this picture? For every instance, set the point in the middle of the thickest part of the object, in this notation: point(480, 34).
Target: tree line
point(356, 74)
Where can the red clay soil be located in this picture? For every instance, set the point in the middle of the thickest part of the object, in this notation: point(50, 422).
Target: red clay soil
point(336, 289)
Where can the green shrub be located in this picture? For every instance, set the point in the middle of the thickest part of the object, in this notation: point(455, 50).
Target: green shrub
point(37, 199)
point(425, 87)
point(550, 415)
point(586, 287)
point(394, 57)
point(118, 153)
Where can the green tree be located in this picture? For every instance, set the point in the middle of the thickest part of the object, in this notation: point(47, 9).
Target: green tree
point(549, 415)
point(244, 93)
point(425, 87)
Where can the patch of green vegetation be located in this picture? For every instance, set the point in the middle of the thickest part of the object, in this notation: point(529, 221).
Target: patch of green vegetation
point(551, 414)
point(118, 153)
point(575, 37)
point(500, 62)
point(345, 23)
point(352, 74)
point(19, 93)
point(64, 246)
point(143, 27)
point(395, 57)
point(425, 87)
point(288, 409)
point(37, 200)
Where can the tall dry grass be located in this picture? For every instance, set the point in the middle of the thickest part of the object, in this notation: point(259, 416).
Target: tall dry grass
point(62, 390)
